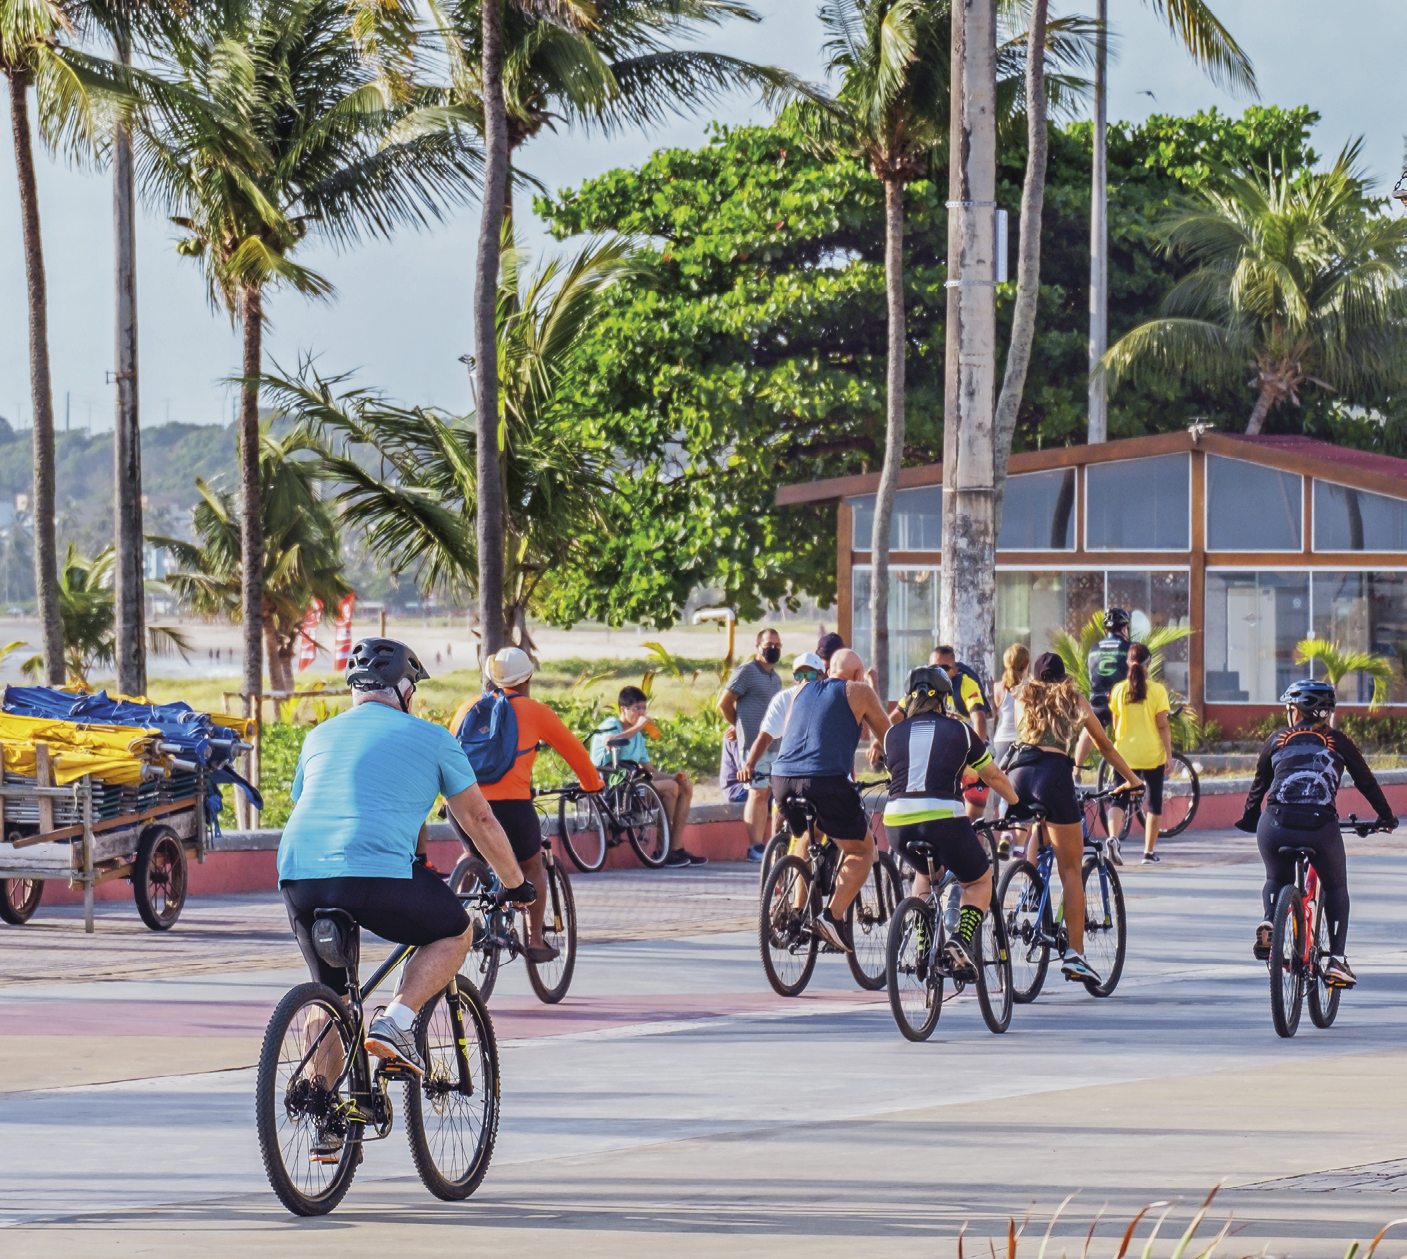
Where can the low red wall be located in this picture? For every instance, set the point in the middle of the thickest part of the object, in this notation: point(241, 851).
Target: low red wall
point(718, 841)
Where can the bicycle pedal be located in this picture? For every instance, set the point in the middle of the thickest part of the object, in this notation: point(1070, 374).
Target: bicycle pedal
point(391, 1069)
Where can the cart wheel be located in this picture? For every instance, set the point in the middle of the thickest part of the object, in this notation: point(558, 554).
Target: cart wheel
point(19, 898)
point(159, 877)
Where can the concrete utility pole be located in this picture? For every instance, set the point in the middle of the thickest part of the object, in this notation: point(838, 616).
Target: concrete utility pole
point(129, 572)
point(1099, 233)
point(967, 599)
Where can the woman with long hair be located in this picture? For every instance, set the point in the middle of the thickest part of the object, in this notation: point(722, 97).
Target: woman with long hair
point(1143, 735)
point(1015, 661)
point(1050, 716)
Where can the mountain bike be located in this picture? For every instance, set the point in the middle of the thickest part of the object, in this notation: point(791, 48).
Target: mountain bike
point(1035, 925)
point(1300, 942)
point(496, 922)
point(795, 893)
point(318, 1100)
point(627, 810)
point(916, 968)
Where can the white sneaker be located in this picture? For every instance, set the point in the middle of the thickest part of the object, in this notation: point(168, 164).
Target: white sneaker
point(1115, 855)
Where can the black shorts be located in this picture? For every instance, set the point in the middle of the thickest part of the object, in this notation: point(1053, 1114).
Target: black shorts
point(417, 910)
point(520, 823)
point(1153, 788)
point(1050, 783)
point(954, 842)
point(839, 812)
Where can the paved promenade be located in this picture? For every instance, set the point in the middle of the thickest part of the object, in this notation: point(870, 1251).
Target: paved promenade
point(674, 1105)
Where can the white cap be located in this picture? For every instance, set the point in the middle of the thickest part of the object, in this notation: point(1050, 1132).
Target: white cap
point(808, 660)
point(509, 667)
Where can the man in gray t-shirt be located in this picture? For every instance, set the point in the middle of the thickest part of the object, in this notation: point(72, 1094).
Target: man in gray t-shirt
point(743, 705)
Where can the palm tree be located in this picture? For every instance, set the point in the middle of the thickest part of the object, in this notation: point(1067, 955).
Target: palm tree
point(417, 494)
point(263, 127)
point(89, 611)
point(1337, 663)
point(1294, 283)
point(32, 55)
point(1211, 46)
point(302, 558)
point(894, 110)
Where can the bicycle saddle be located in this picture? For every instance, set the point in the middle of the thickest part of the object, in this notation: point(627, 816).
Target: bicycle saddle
point(336, 938)
point(1301, 852)
point(617, 741)
point(802, 803)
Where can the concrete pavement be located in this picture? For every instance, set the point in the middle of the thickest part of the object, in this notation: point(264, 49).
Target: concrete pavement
point(674, 1102)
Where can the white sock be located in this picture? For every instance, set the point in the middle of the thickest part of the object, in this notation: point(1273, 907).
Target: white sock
point(401, 1015)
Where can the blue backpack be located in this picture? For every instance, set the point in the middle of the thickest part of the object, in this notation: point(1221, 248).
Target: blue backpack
point(489, 736)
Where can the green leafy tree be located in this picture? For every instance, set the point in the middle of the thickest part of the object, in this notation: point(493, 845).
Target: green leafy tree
point(302, 550)
point(1294, 282)
point(267, 124)
point(417, 497)
point(749, 350)
point(1337, 663)
point(32, 54)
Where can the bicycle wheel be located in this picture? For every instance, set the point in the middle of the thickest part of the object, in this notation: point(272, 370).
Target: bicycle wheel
point(647, 825)
point(19, 898)
point(915, 986)
point(550, 980)
point(1287, 962)
point(159, 877)
point(994, 993)
point(1028, 928)
point(787, 942)
point(869, 916)
point(1182, 793)
point(1323, 998)
point(306, 1043)
point(1106, 926)
point(451, 1116)
point(469, 877)
point(776, 848)
point(583, 830)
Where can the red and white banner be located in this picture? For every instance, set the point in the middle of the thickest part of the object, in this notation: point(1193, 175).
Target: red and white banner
point(308, 635)
point(343, 647)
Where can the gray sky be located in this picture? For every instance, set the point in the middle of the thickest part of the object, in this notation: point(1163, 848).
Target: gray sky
point(400, 317)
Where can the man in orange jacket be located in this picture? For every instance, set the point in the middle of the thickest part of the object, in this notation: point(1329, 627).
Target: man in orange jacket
point(510, 797)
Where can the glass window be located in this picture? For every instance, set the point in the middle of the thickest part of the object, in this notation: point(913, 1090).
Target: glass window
point(1032, 606)
point(1038, 512)
point(1346, 519)
point(1251, 508)
point(917, 523)
point(1138, 504)
point(913, 618)
point(1363, 611)
point(1254, 622)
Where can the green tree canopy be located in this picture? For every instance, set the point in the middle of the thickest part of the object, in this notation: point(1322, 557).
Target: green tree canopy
point(749, 352)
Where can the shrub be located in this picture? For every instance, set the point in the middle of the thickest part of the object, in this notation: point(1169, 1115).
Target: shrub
point(279, 747)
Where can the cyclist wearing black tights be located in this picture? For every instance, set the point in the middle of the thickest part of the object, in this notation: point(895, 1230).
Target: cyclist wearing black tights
point(927, 751)
point(1296, 785)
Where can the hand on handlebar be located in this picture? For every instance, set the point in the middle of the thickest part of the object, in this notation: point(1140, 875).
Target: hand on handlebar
point(1387, 824)
point(1021, 811)
point(524, 894)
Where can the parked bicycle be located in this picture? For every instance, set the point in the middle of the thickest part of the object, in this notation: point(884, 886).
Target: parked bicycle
point(496, 923)
point(797, 889)
point(318, 1101)
point(1300, 942)
point(629, 810)
point(916, 969)
point(1035, 924)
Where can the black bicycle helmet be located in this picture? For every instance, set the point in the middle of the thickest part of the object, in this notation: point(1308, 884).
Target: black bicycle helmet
point(1116, 619)
point(1311, 698)
point(380, 664)
point(928, 680)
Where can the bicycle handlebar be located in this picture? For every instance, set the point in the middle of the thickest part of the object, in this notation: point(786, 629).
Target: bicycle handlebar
point(1362, 829)
point(1126, 791)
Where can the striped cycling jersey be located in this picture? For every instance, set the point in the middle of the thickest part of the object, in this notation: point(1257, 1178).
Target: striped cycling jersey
point(927, 755)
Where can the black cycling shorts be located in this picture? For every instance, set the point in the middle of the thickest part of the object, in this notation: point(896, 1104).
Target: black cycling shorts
point(1153, 788)
point(520, 823)
point(1050, 783)
point(839, 812)
point(417, 910)
point(954, 842)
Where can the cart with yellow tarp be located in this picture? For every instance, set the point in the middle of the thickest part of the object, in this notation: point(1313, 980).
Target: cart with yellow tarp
point(100, 787)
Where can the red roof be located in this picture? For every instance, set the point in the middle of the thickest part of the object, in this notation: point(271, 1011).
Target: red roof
point(1309, 448)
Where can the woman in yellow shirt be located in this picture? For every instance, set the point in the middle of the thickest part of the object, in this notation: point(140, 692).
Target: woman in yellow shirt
point(1144, 739)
